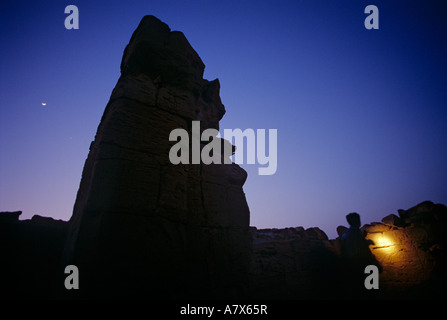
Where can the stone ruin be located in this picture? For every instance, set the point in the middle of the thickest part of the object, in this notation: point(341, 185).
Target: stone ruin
point(145, 228)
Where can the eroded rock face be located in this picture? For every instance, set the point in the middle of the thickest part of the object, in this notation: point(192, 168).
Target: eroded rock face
point(142, 226)
point(293, 263)
point(412, 250)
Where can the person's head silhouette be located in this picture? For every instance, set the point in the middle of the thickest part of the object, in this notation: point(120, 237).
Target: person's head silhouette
point(353, 220)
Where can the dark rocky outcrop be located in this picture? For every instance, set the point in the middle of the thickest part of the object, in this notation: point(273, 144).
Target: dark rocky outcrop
point(30, 255)
point(142, 226)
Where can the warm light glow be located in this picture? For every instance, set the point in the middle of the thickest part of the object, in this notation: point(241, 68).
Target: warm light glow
point(381, 242)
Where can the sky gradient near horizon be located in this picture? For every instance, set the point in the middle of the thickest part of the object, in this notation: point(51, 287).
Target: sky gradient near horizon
point(361, 114)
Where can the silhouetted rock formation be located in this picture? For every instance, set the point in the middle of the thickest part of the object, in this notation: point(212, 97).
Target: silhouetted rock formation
point(142, 226)
point(30, 252)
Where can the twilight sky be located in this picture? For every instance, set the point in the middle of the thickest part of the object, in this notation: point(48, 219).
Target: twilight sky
point(361, 114)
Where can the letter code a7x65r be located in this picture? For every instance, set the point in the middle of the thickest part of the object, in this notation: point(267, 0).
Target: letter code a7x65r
point(245, 309)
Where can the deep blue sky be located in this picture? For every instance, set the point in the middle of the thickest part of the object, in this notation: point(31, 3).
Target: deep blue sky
point(361, 114)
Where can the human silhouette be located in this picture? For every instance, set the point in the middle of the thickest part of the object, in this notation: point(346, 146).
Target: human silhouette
point(356, 255)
